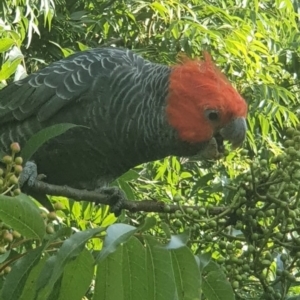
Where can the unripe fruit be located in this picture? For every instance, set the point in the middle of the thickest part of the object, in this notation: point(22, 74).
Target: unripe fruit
point(263, 162)
point(229, 246)
point(238, 245)
point(58, 206)
point(195, 214)
point(246, 267)
point(221, 260)
point(52, 215)
point(244, 152)
point(260, 214)
point(167, 208)
point(279, 235)
point(251, 248)
point(292, 214)
point(283, 257)
point(235, 284)
point(265, 262)
point(15, 147)
point(288, 143)
point(208, 238)
point(18, 169)
point(16, 234)
point(212, 224)
point(178, 214)
point(7, 269)
point(177, 198)
point(13, 179)
point(238, 278)
point(18, 160)
point(17, 192)
point(49, 229)
point(177, 223)
point(290, 131)
point(7, 236)
point(189, 210)
point(201, 210)
point(7, 159)
point(222, 245)
point(291, 151)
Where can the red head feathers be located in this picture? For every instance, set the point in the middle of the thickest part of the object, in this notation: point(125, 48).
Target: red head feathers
point(202, 101)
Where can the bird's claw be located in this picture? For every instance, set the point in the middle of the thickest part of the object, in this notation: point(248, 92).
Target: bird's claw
point(116, 199)
point(29, 174)
point(211, 151)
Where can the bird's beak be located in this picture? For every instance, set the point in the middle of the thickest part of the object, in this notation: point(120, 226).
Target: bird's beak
point(235, 132)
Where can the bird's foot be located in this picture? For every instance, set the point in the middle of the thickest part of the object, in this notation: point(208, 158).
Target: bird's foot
point(116, 198)
point(212, 150)
point(29, 174)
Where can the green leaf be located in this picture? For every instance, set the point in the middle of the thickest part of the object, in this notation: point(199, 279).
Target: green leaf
point(5, 44)
point(178, 241)
point(160, 276)
point(149, 223)
point(77, 276)
point(31, 280)
point(115, 235)
point(9, 67)
point(186, 272)
point(124, 269)
point(16, 279)
point(54, 266)
point(23, 215)
point(109, 276)
point(44, 135)
point(215, 286)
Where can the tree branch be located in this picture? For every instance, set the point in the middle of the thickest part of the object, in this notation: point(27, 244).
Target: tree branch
point(99, 198)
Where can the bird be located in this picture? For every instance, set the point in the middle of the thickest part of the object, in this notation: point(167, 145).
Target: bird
point(129, 111)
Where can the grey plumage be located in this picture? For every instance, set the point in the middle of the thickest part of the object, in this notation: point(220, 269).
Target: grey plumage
point(117, 94)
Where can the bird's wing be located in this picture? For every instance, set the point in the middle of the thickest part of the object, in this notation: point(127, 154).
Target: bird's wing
point(45, 92)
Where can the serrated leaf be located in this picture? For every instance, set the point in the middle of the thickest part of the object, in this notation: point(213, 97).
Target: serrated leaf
point(23, 215)
point(115, 235)
point(15, 280)
point(38, 139)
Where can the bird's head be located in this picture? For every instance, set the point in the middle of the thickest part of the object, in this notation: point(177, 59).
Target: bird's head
point(202, 104)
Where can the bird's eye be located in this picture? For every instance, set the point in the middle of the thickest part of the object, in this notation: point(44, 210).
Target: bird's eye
point(212, 115)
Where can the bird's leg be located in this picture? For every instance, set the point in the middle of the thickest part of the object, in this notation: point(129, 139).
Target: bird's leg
point(116, 198)
point(29, 174)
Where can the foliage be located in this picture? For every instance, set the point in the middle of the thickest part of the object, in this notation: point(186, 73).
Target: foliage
point(236, 232)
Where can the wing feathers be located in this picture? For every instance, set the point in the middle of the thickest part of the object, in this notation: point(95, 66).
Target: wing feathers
point(45, 92)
